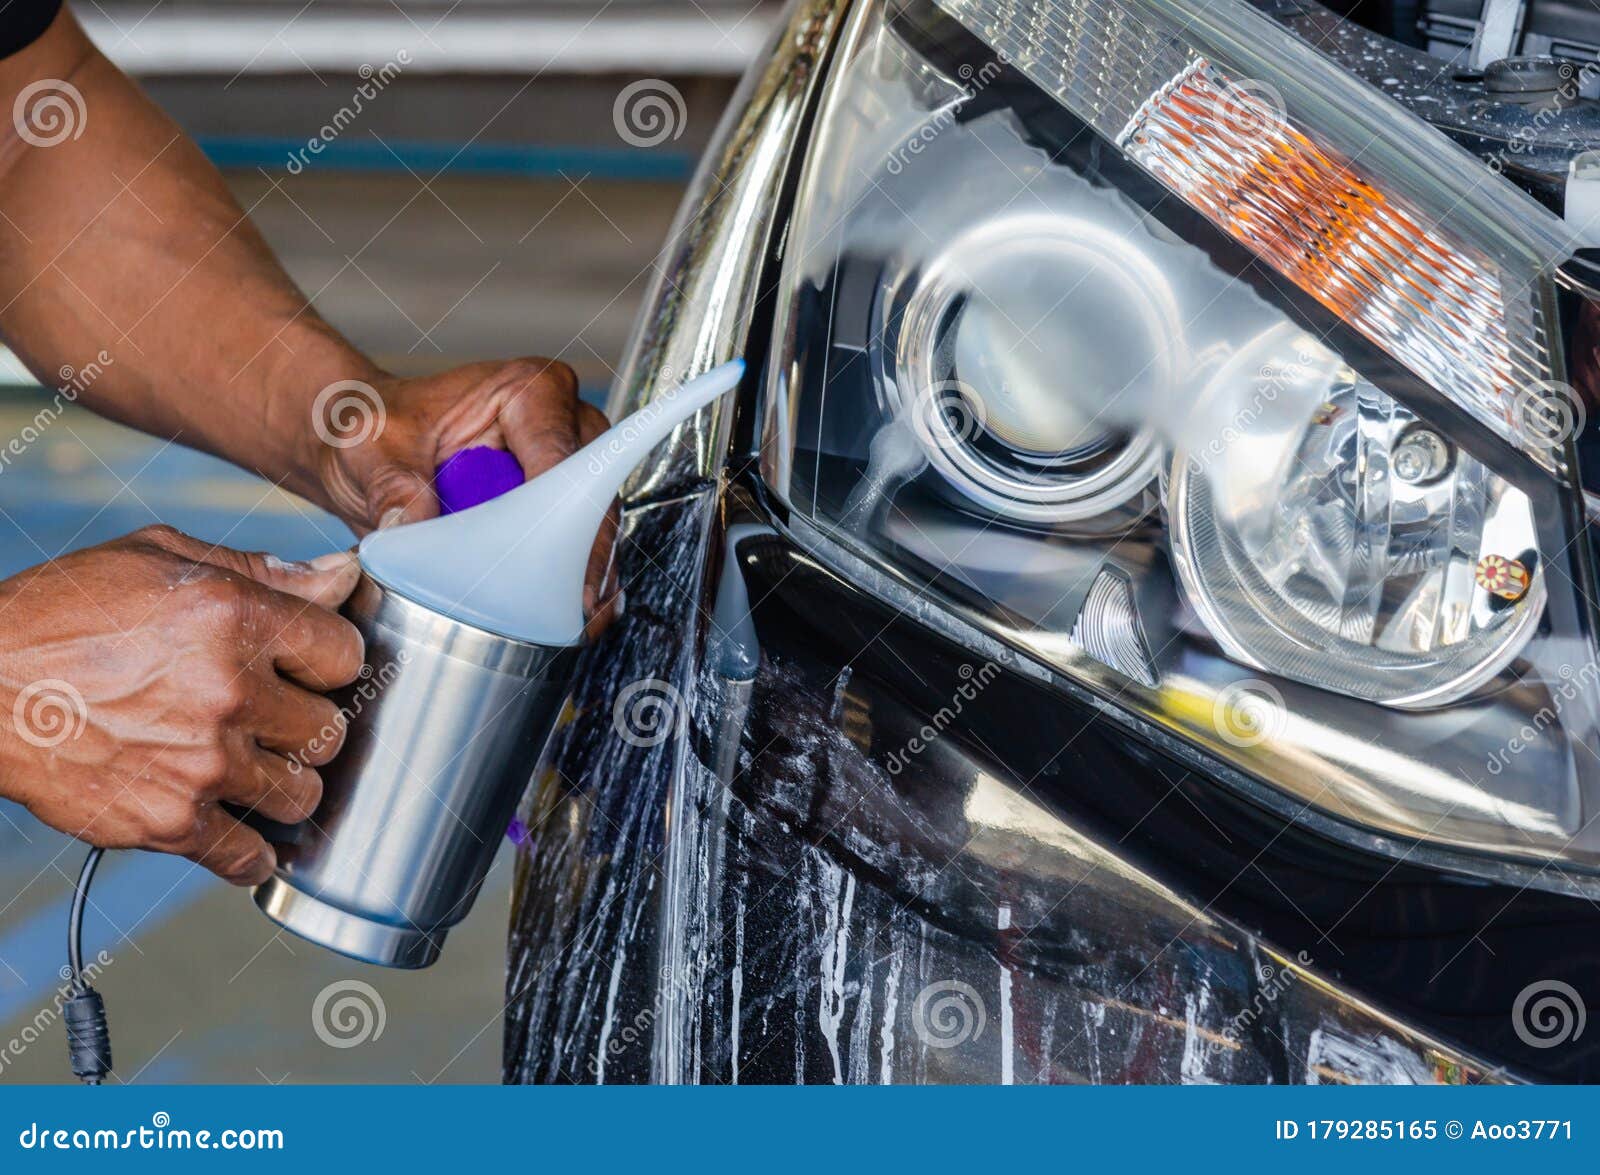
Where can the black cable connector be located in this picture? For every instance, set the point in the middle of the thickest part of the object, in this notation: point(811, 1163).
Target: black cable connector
point(84, 1013)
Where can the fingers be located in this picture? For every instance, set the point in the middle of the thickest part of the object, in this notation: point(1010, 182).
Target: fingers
point(399, 495)
point(295, 722)
point(272, 785)
point(286, 607)
point(327, 580)
point(539, 414)
point(234, 852)
point(600, 594)
point(309, 645)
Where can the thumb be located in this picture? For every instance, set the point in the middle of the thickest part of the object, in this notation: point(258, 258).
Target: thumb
point(398, 495)
point(327, 580)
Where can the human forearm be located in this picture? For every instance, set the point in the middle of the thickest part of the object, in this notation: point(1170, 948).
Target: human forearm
point(125, 239)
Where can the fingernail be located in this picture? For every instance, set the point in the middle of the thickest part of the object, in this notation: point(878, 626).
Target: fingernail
point(332, 561)
point(292, 566)
point(391, 517)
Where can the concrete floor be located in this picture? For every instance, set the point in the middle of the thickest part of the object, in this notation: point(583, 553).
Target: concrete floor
point(200, 987)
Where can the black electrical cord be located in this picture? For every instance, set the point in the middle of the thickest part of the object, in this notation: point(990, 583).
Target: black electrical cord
point(88, 1034)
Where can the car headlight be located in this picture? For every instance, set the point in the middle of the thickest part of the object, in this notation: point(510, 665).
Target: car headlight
point(1165, 351)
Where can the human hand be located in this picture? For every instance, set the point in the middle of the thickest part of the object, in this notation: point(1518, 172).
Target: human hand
point(150, 679)
point(380, 446)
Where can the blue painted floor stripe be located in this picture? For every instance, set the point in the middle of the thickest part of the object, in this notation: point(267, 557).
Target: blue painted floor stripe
point(528, 160)
point(134, 893)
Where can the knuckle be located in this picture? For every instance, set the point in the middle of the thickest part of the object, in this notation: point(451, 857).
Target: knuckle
point(546, 376)
point(224, 691)
point(216, 598)
point(173, 826)
point(208, 770)
point(159, 534)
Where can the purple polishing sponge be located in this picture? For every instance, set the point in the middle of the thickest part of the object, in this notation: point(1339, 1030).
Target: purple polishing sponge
point(475, 475)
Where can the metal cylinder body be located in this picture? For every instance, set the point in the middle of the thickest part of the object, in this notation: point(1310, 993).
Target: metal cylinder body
point(442, 730)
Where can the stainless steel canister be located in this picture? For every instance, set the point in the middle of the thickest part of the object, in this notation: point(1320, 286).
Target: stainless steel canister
point(443, 729)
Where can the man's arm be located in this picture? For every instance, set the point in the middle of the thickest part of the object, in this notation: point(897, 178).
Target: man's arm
point(117, 235)
point(154, 679)
point(122, 237)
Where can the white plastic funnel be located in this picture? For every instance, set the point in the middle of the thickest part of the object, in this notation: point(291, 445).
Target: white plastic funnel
point(515, 565)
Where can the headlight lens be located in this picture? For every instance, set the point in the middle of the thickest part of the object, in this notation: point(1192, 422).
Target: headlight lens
point(1339, 539)
point(1182, 361)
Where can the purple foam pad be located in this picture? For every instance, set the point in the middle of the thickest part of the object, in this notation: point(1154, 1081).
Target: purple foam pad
point(475, 475)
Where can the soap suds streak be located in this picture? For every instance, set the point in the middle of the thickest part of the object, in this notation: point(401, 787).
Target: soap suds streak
point(827, 894)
